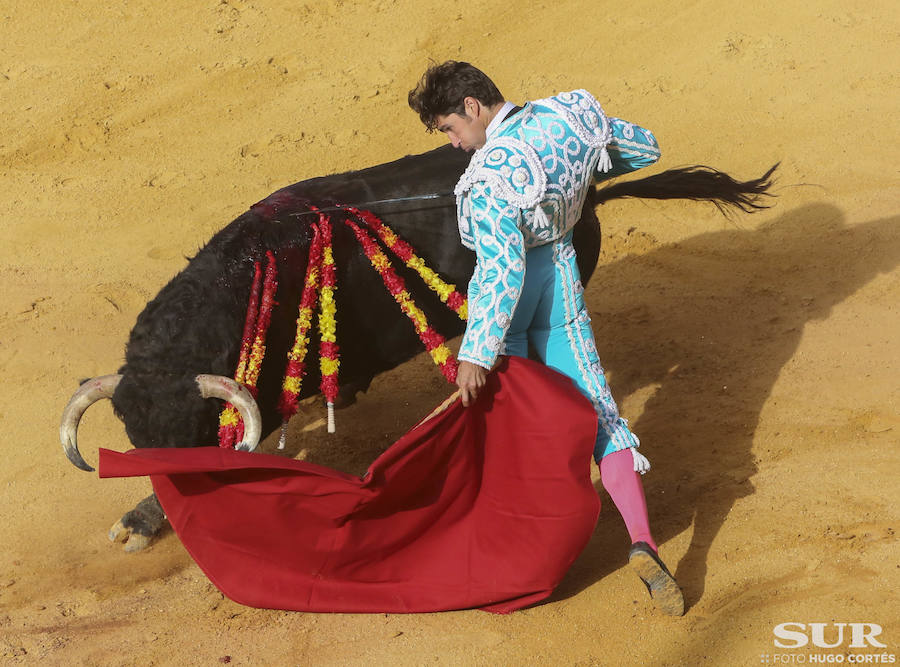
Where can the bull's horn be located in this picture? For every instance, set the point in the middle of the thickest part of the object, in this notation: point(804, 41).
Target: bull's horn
point(219, 386)
point(88, 393)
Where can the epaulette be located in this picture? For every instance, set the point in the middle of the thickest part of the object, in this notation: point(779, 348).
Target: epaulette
point(511, 167)
point(584, 115)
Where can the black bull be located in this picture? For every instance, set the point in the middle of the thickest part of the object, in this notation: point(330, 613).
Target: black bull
point(194, 325)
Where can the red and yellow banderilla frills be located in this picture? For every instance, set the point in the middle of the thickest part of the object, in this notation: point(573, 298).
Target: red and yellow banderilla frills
point(329, 359)
point(434, 342)
point(319, 285)
point(253, 347)
point(296, 366)
point(445, 291)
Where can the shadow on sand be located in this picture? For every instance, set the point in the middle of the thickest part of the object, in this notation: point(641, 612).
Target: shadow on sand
point(703, 327)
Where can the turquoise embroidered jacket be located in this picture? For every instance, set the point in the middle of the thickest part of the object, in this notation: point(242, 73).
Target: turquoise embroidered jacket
point(525, 188)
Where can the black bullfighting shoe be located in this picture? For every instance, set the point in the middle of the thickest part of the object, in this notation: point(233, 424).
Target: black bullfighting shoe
point(656, 577)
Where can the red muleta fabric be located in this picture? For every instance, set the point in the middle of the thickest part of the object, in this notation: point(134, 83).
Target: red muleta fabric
point(485, 506)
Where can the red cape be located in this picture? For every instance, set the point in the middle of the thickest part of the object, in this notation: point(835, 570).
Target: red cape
point(485, 506)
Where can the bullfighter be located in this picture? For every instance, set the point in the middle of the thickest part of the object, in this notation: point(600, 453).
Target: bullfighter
point(517, 202)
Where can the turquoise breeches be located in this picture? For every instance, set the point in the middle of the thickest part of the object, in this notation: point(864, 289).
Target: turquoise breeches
point(551, 315)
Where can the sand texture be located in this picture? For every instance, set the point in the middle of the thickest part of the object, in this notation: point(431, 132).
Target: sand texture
point(756, 357)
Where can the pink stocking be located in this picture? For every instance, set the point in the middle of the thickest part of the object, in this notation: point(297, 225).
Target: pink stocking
point(627, 492)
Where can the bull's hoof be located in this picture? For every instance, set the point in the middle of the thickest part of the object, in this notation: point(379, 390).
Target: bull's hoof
point(133, 541)
point(138, 527)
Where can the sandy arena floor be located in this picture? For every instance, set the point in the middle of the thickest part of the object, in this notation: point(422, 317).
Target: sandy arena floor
point(757, 358)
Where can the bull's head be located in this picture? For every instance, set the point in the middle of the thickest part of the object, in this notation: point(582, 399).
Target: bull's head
point(211, 386)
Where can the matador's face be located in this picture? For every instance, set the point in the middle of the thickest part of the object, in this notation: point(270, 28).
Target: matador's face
point(468, 131)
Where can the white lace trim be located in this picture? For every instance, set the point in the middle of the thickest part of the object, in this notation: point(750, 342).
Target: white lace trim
point(543, 162)
point(511, 167)
point(620, 150)
point(591, 124)
point(637, 145)
point(496, 284)
point(584, 351)
point(641, 464)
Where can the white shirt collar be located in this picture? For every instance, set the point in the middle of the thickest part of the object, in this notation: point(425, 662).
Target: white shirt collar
point(499, 118)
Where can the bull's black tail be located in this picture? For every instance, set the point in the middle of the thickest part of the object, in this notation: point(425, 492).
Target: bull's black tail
point(699, 183)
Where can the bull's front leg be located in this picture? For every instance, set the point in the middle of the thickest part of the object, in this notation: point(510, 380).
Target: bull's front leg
point(138, 527)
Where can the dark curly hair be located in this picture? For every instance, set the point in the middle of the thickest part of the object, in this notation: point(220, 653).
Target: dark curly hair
point(443, 89)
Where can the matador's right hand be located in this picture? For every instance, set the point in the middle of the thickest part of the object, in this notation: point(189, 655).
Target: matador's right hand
point(470, 378)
